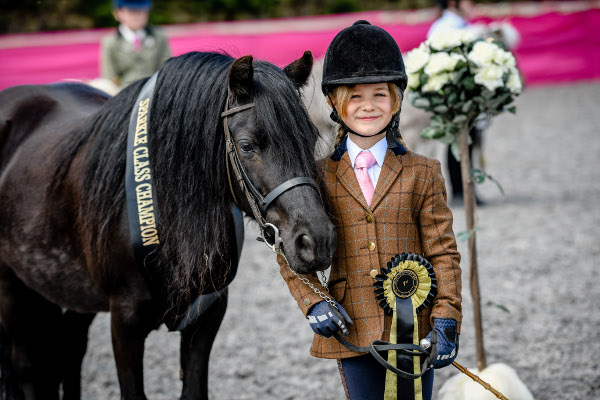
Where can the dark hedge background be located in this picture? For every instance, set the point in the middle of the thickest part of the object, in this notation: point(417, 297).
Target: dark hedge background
point(46, 15)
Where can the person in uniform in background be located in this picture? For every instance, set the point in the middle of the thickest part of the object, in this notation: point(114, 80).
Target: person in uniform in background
point(384, 200)
point(136, 50)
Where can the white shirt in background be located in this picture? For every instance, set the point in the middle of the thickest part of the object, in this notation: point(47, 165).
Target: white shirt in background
point(448, 20)
point(130, 35)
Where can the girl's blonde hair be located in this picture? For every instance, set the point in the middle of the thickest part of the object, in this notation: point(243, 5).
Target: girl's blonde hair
point(341, 97)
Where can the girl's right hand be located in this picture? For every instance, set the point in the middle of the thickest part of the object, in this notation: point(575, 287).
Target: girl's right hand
point(326, 320)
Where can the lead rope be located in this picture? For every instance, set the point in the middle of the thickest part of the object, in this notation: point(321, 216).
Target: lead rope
point(479, 380)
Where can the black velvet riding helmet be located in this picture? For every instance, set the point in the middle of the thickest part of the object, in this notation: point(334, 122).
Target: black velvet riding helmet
point(362, 53)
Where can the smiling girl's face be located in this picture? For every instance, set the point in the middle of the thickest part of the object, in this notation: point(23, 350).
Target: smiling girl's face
point(369, 108)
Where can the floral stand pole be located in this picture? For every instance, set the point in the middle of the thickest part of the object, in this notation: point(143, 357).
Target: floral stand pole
point(471, 211)
point(459, 78)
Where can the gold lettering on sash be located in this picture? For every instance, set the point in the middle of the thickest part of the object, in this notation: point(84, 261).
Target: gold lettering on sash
point(141, 171)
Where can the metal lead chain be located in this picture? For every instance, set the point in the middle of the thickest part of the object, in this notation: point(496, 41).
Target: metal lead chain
point(313, 287)
point(324, 280)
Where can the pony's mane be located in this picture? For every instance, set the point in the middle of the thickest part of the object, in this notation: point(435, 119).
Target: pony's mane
point(187, 150)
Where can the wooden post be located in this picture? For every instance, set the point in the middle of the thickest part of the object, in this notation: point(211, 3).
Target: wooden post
point(470, 210)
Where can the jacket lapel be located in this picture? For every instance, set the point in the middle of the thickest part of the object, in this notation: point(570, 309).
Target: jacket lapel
point(389, 172)
point(347, 177)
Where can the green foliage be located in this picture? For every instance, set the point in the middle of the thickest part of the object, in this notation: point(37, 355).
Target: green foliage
point(501, 307)
point(465, 235)
point(480, 176)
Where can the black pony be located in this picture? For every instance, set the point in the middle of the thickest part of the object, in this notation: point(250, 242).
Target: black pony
point(65, 251)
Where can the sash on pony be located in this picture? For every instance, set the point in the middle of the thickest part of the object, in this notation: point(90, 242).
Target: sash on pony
point(403, 289)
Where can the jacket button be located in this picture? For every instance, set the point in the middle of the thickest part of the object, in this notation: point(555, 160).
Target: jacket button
point(307, 302)
point(371, 246)
point(369, 218)
point(374, 273)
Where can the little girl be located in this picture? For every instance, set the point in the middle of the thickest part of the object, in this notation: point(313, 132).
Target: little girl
point(384, 200)
point(136, 49)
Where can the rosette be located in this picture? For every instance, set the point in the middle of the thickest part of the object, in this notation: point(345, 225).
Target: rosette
point(403, 289)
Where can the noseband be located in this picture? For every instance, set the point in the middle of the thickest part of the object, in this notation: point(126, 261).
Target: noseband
point(258, 203)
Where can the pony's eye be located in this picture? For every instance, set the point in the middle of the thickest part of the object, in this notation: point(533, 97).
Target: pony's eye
point(245, 146)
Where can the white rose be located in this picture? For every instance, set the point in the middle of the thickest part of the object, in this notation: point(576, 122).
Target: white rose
point(438, 62)
point(435, 82)
point(413, 81)
point(490, 76)
point(456, 58)
point(445, 38)
point(504, 58)
point(466, 36)
point(514, 81)
point(416, 59)
point(483, 53)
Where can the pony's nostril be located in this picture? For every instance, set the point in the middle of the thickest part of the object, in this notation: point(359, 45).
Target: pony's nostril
point(305, 246)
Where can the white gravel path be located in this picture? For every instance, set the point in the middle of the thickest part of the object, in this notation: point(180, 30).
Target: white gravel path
point(537, 249)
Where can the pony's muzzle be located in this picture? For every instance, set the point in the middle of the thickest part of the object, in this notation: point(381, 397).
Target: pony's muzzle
point(315, 251)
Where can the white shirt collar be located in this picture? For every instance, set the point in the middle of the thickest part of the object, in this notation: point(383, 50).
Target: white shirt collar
point(130, 35)
point(378, 150)
point(448, 20)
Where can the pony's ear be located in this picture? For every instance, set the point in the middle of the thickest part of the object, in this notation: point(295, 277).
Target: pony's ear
point(240, 77)
point(299, 70)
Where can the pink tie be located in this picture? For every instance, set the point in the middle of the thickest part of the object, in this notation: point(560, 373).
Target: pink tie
point(137, 43)
point(364, 161)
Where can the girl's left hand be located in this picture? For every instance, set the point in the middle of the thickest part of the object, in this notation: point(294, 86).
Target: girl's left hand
point(446, 342)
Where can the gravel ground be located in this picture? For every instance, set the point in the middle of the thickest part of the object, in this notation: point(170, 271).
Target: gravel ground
point(536, 245)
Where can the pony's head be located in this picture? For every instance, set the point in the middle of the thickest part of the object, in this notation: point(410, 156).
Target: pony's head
point(275, 142)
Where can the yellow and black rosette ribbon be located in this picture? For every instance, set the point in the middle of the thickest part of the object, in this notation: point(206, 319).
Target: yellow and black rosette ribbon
point(405, 287)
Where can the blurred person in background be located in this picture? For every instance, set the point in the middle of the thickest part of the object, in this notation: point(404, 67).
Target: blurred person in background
point(136, 50)
point(453, 14)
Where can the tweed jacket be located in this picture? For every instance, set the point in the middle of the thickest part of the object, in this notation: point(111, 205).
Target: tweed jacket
point(408, 213)
point(122, 64)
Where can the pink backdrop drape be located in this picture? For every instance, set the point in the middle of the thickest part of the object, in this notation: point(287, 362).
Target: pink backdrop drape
point(555, 47)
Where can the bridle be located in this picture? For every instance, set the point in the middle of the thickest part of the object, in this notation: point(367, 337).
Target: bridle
point(258, 204)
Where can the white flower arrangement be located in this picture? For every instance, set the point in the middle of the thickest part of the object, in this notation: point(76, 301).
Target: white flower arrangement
point(458, 77)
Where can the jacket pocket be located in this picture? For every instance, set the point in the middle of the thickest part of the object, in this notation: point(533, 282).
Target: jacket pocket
point(337, 289)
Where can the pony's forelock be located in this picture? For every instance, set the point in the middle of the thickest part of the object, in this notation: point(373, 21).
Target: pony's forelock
point(283, 119)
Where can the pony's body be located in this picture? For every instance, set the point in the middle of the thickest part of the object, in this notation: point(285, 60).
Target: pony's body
point(47, 245)
point(65, 251)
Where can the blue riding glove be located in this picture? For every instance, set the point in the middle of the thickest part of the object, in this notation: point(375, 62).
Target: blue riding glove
point(326, 320)
point(445, 341)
